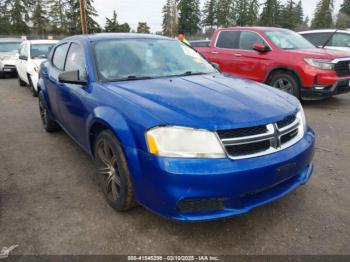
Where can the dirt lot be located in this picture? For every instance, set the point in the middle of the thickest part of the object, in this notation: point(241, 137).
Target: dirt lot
point(50, 203)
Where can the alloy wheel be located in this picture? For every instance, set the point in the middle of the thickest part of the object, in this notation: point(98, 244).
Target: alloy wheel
point(284, 85)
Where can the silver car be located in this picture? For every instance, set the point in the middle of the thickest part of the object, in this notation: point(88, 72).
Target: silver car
point(8, 55)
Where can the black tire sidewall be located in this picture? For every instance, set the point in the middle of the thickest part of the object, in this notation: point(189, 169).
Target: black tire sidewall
point(294, 81)
point(125, 199)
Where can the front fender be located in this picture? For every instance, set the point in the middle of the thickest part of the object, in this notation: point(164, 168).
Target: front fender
point(115, 121)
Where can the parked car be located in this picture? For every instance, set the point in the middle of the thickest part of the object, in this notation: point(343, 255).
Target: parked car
point(200, 43)
point(335, 39)
point(170, 132)
point(31, 54)
point(8, 55)
point(280, 58)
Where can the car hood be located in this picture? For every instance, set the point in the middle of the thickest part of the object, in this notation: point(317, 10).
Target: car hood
point(9, 55)
point(321, 53)
point(213, 102)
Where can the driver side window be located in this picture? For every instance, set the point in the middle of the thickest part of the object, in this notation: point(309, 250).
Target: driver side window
point(75, 60)
point(248, 39)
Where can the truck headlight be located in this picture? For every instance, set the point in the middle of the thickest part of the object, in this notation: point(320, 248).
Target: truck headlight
point(183, 142)
point(325, 64)
point(302, 118)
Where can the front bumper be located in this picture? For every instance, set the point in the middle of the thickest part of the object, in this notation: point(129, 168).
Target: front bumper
point(8, 66)
point(205, 189)
point(325, 91)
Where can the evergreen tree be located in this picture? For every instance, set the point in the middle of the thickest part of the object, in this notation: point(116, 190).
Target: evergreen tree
point(17, 15)
point(58, 19)
point(271, 14)
point(209, 13)
point(224, 14)
point(5, 25)
point(143, 28)
point(246, 12)
point(39, 19)
point(112, 25)
point(169, 24)
point(299, 13)
point(323, 15)
point(189, 20)
point(289, 14)
point(343, 19)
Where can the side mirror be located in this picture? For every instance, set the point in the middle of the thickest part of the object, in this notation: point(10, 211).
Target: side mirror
point(217, 66)
point(72, 77)
point(261, 48)
point(22, 57)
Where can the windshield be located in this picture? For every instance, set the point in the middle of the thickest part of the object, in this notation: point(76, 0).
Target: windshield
point(287, 39)
point(40, 50)
point(9, 47)
point(129, 59)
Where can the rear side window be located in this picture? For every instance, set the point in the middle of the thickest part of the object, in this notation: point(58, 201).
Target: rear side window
point(60, 56)
point(248, 39)
point(341, 40)
point(75, 60)
point(318, 39)
point(228, 39)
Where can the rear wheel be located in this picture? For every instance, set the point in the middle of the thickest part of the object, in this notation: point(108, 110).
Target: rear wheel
point(49, 124)
point(114, 175)
point(286, 82)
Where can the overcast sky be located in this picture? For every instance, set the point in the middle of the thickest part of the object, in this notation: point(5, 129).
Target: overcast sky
point(150, 11)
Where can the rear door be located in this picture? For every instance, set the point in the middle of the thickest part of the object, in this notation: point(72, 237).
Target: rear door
point(225, 51)
point(23, 61)
point(252, 64)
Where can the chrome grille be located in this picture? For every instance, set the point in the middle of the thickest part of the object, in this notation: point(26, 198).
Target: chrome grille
point(262, 140)
point(342, 68)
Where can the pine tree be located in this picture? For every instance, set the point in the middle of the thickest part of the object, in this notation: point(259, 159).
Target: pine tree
point(224, 14)
point(169, 24)
point(39, 19)
point(189, 20)
point(289, 14)
point(209, 13)
point(271, 14)
point(323, 15)
point(343, 19)
point(112, 25)
point(18, 15)
point(299, 13)
point(143, 28)
point(57, 16)
point(5, 25)
point(246, 12)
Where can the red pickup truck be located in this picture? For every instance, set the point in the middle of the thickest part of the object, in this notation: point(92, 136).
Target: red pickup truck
point(280, 58)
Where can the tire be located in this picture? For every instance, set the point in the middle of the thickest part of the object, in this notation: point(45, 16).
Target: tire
point(286, 82)
point(49, 124)
point(113, 172)
point(32, 89)
point(21, 82)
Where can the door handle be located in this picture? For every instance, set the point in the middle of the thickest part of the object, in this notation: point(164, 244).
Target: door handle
point(237, 55)
point(214, 52)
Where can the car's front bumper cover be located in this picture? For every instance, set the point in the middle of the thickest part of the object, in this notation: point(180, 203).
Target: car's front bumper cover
point(325, 91)
point(205, 189)
point(8, 66)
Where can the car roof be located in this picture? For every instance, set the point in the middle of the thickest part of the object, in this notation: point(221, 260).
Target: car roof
point(255, 28)
point(111, 36)
point(42, 41)
point(324, 31)
point(197, 41)
point(11, 40)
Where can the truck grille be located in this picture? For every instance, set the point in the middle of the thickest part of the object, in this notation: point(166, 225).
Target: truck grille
point(262, 140)
point(342, 68)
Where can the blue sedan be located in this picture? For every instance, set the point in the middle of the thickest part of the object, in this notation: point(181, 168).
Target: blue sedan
point(168, 131)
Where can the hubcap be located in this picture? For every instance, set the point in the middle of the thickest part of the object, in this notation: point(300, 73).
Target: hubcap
point(284, 85)
point(109, 169)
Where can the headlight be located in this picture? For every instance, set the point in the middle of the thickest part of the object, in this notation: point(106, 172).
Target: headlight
point(183, 142)
point(302, 118)
point(325, 64)
point(36, 69)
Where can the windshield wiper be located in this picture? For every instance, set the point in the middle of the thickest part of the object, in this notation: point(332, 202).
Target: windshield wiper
point(132, 77)
point(329, 39)
point(190, 73)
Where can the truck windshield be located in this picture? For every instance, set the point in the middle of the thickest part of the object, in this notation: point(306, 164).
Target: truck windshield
point(287, 39)
point(9, 47)
point(40, 50)
point(133, 59)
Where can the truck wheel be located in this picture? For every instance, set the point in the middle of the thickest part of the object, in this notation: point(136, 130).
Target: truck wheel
point(114, 175)
point(21, 82)
point(50, 125)
point(287, 83)
point(32, 88)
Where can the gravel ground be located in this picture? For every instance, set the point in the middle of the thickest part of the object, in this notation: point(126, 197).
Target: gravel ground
point(50, 203)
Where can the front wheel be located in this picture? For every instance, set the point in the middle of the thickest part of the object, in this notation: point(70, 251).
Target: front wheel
point(286, 82)
point(32, 88)
point(114, 175)
point(21, 83)
point(49, 124)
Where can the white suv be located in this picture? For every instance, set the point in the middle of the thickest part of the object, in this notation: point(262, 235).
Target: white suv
point(8, 55)
point(31, 54)
point(339, 40)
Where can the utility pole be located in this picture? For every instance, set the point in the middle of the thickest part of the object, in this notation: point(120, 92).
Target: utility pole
point(83, 17)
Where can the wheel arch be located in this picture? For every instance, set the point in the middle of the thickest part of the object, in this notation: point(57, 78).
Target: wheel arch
point(286, 69)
